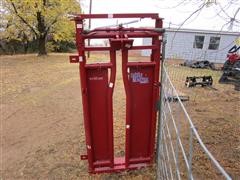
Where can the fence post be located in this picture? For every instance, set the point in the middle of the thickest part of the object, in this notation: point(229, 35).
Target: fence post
point(160, 116)
point(159, 136)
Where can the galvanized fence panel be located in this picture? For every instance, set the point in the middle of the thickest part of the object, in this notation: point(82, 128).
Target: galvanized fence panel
point(179, 145)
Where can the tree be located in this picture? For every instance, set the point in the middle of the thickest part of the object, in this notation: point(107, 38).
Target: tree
point(41, 17)
point(14, 33)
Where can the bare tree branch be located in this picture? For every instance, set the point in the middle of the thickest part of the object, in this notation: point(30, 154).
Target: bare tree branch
point(236, 13)
point(197, 10)
point(233, 19)
point(172, 7)
point(218, 12)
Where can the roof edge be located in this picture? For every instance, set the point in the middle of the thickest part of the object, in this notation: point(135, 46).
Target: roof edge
point(203, 31)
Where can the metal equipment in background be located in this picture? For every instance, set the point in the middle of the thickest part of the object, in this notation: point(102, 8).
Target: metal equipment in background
point(199, 80)
point(176, 99)
point(231, 68)
point(141, 83)
point(199, 64)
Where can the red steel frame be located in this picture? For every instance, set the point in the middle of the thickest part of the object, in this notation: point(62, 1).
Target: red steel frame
point(141, 82)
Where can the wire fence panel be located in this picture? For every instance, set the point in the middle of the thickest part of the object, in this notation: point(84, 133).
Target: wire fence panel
point(180, 149)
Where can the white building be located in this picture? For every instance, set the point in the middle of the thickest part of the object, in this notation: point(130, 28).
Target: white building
point(190, 44)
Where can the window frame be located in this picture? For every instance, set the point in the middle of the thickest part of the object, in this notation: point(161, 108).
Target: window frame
point(195, 45)
point(212, 44)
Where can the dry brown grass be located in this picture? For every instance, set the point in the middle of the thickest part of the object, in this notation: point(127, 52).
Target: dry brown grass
point(43, 134)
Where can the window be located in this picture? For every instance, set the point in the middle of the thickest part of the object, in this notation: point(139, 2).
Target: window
point(198, 42)
point(214, 43)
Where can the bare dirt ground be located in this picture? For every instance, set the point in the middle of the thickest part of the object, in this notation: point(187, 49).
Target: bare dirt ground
point(42, 122)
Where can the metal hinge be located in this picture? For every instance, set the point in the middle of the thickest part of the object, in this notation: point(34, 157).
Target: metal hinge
point(158, 104)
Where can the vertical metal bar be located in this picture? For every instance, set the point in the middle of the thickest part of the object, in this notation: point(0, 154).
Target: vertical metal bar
point(159, 138)
point(89, 25)
point(128, 110)
point(163, 106)
point(159, 167)
point(162, 130)
point(173, 154)
point(190, 154)
point(160, 117)
point(161, 147)
point(163, 120)
point(163, 48)
point(176, 154)
point(178, 130)
point(168, 159)
point(83, 80)
point(156, 58)
point(163, 169)
point(159, 134)
point(160, 121)
point(165, 166)
point(160, 151)
point(155, 95)
point(110, 104)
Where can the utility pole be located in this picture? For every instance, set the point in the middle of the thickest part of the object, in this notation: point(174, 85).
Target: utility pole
point(89, 24)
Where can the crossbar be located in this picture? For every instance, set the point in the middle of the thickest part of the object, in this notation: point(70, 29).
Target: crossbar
point(104, 16)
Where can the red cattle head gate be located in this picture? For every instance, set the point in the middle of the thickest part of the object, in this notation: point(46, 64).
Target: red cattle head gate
point(141, 82)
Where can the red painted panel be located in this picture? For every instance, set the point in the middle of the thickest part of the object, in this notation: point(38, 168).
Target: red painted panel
point(141, 106)
point(97, 90)
point(97, 16)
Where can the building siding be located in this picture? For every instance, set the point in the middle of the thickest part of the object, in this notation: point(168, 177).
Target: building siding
point(180, 46)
